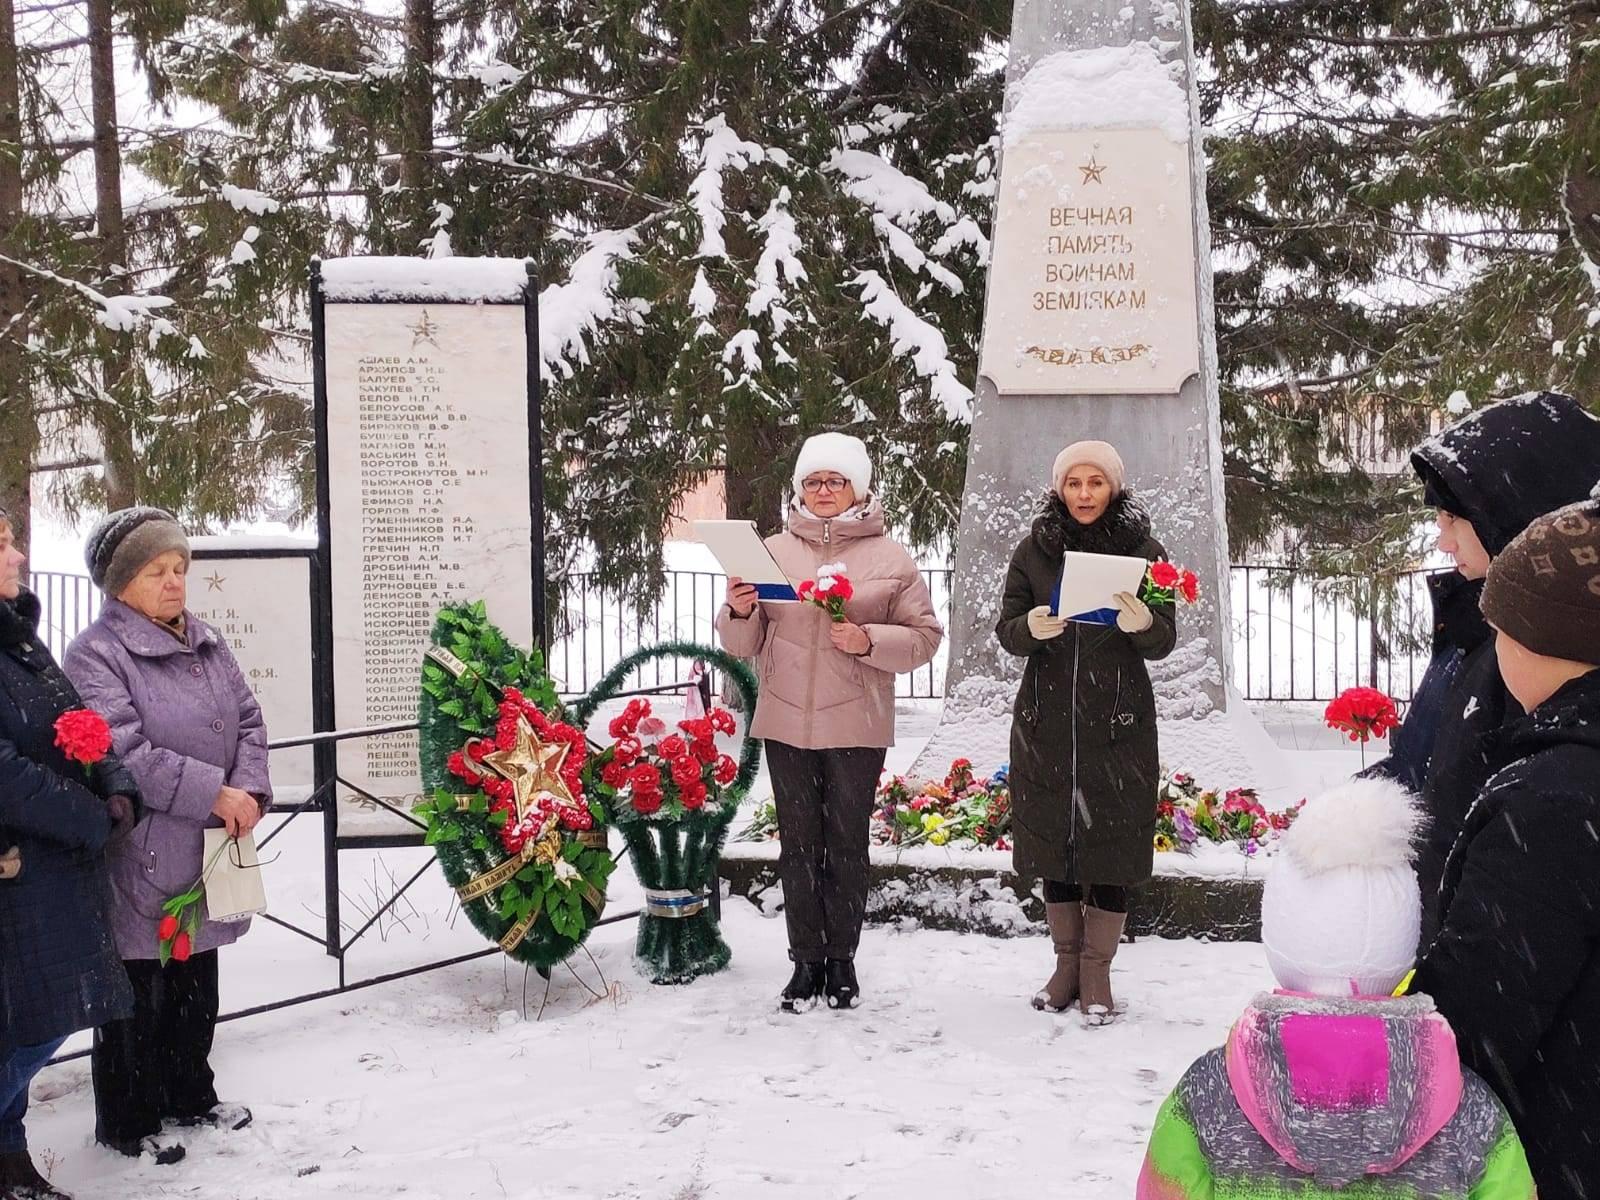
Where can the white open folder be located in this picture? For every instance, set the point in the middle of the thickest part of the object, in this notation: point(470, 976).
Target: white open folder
point(744, 555)
point(1090, 582)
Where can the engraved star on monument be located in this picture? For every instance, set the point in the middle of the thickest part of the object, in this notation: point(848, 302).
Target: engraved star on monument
point(423, 331)
point(216, 579)
point(533, 767)
point(1093, 170)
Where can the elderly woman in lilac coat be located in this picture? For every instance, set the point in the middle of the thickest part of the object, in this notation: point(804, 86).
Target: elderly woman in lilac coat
point(185, 722)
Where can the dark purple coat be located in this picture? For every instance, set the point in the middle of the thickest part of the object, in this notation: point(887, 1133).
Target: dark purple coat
point(185, 722)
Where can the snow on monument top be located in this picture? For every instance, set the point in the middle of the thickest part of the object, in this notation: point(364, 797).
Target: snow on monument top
point(440, 280)
point(1107, 87)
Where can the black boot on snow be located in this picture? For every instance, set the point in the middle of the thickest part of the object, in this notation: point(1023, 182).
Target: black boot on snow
point(805, 988)
point(843, 990)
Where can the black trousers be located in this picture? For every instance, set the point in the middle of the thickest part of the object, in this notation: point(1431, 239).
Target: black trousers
point(154, 1065)
point(1104, 896)
point(824, 800)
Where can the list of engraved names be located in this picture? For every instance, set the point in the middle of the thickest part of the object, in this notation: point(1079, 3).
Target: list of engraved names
point(428, 471)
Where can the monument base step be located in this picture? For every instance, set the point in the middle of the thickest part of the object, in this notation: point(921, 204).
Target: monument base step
point(978, 899)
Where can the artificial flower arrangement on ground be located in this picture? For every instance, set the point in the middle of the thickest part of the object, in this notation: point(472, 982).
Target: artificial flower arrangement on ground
point(516, 833)
point(672, 793)
point(651, 772)
point(1187, 814)
point(961, 810)
point(969, 812)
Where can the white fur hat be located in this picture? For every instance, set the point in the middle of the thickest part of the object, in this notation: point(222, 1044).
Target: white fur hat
point(1341, 911)
point(835, 452)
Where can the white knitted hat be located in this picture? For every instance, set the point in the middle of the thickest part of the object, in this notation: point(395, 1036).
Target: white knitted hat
point(835, 452)
point(1341, 912)
point(1102, 456)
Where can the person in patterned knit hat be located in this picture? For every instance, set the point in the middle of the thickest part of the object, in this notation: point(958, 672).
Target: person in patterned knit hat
point(1516, 966)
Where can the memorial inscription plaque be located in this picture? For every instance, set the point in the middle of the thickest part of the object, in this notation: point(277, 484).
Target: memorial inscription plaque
point(261, 605)
point(1092, 282)
point(427, 418)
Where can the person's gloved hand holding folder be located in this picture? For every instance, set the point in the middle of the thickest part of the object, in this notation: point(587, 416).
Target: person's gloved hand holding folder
point(747, 561)
point(1101, 589)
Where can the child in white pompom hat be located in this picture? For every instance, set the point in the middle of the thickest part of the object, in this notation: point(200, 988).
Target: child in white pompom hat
point(1331, 1085)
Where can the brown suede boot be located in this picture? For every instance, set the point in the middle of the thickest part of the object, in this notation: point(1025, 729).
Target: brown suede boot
point(1102, 932)
point(1066, 931)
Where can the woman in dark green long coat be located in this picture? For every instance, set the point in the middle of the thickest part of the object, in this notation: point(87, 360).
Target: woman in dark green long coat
point(1084, 762)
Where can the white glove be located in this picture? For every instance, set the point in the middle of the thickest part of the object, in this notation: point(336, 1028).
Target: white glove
point(1133, 615)
point(1043, 625)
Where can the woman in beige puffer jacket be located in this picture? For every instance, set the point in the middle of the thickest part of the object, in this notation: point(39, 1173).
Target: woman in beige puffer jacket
point(826, 710)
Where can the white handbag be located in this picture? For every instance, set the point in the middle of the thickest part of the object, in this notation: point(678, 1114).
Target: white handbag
point(234, 888)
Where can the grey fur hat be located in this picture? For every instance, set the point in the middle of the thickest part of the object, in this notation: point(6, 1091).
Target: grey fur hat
point(124, 541)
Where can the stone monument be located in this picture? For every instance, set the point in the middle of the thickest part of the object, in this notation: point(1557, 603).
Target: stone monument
point(1098, 324)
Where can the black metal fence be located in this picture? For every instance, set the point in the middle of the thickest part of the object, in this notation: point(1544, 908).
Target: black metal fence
point(1294, 637)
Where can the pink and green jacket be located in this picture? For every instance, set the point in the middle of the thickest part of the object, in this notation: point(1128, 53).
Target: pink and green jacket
point(1315, 1097)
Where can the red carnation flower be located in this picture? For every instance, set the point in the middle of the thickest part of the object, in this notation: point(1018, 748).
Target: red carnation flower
point(1164, 574)
point(672, 746)
point(722, 721)
point(83, 735)
point(693, 795)
point(842, 588)
point(1189, 587)
point(1362, 713)
point(699, 729)
point(614, 775)
point(705, 751)
point(168, 928)
point(726, 771)
point(620, 727)
point(628, 749)
point(646, 777)
point(685, 771)
point(646, 803)
point(180, 947)
point(805, 590)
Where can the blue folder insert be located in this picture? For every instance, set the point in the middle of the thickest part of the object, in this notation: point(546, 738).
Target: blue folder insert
point(1099, 616)
point(775, 591)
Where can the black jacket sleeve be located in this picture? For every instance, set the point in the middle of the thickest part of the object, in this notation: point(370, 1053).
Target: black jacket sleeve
point(1520, 927)
point(35, 800)
point(1016, 602)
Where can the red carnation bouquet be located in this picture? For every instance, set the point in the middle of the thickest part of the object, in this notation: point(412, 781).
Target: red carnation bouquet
point(1166, 583)
point(828, 591)
point(1362, 713)
point(180, 925)
point(670, 774)
point(83, 736)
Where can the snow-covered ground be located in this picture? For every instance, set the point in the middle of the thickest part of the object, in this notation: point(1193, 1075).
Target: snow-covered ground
point(450, 1084)
point(945, 1084)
